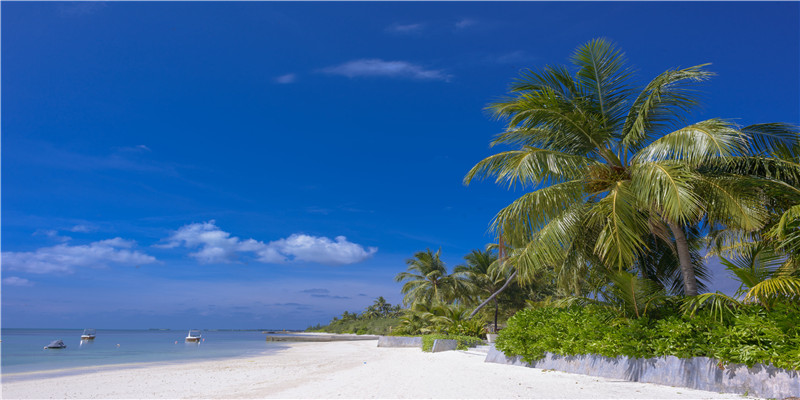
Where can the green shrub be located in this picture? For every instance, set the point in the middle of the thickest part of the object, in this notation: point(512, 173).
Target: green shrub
point(464, 342)
point(752, 335)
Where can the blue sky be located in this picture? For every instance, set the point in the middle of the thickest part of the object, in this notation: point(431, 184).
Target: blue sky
point(270, 165)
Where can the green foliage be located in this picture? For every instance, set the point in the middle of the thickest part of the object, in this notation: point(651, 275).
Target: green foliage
point(426, 280)
point(380, 318)
point(464, 342)
point(751, 335)
point(372, 326)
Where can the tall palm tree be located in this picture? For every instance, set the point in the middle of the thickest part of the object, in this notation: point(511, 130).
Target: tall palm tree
point(427, 281)
point(607, 168)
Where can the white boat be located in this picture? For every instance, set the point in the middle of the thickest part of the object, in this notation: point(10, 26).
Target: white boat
point(88, 334)
point(194, 335)
point(56, 344)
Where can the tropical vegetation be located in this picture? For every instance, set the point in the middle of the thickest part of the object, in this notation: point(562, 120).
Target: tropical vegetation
point(626, 200)
point(377, 319)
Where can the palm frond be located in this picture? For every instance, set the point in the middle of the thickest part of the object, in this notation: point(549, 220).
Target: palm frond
point(772, 137)
point(604, 77)
point(530, 167)
point(665, 98)
point(633, 293)
point(787, 230)
point(519, 220)
point(719, 305)
point(666, 188)
point(778, 287)
point(624, 226)
point(696, 144)
point(727, 202)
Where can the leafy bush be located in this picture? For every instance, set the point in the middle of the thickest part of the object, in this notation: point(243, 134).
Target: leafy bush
point(752, 335)
point(464, 342)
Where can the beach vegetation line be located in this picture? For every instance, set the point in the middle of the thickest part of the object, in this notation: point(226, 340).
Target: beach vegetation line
point(750, 335)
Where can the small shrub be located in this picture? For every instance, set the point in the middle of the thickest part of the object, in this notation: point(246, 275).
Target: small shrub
point(464, 342)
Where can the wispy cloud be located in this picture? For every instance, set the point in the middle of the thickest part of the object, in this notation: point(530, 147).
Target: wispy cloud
point(515, 57)
point(465, 23)
point(285, 79)
point(52, 234)
point(64, 258)
point(15, 281)
point(405, 28)
point(316, 291)
point(81, 229)
point(329, 296)
point(218, 246)
point(389, 69)
point(135, 158)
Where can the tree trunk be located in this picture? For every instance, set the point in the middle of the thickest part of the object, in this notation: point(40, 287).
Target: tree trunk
point(485, 302)
point(495, 314)
point(687, 269)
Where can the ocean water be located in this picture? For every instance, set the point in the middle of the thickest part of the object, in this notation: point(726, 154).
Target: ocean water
point(22, 350)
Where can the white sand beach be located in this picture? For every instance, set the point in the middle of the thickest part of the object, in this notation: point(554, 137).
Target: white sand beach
point(357, 370)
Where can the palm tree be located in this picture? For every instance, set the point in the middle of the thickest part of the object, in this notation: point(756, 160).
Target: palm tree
point(380, 308)
point(427, 281)
point(484, 280)
point(607, 170)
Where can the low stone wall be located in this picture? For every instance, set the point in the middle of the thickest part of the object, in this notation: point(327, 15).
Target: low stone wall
point(697, 373)
point(443, 345)
point(400, 341)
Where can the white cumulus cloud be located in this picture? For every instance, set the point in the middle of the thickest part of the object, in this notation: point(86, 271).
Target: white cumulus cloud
point(15, 281)
point(64, 258)
point(389, 69)
point(217, 246)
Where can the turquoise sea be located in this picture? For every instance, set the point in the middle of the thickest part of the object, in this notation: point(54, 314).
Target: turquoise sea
point(22, 350)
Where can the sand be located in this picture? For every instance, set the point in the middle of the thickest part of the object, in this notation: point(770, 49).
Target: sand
point(339, 370)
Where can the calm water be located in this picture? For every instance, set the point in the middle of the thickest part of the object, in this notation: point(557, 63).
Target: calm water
point(22, 349)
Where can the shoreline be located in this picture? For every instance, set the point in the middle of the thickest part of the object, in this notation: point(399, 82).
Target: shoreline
point(282, 342)
point(347, 369)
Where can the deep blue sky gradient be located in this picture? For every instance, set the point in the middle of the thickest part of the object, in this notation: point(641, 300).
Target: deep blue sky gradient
point(132, 120)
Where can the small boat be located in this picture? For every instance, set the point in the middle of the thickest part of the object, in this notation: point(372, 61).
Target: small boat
point(88, 334)
point(194, 335)
point(56, 344)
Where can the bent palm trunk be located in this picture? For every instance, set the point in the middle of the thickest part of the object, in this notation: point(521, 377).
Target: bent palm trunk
point(687, 269)
point(485, 302)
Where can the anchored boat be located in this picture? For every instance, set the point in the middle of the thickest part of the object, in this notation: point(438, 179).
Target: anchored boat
point(194, 336)
point(88, 334)
point(56, 344)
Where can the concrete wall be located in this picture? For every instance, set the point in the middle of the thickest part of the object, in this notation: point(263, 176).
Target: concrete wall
point(443, 345)
point(696, 373)
point(400, 341)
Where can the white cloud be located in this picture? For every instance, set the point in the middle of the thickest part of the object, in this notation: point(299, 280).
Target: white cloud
point(64, 258)
point(218, 246)
point(465, 23)
point(288, 78)
point(407, 28)
point(322, 250)
point(390, 69)
point(15, 281)
point(81, 229)
point(52, 234)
